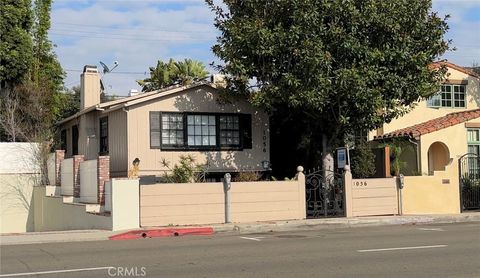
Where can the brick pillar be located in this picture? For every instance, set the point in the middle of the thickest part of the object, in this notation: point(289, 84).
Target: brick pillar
point(76, 174)
point(103, 175)
point(59, 156)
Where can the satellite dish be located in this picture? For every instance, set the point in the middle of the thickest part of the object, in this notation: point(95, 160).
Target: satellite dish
point(105, 67)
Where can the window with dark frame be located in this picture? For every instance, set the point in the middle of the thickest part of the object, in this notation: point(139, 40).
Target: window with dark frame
point(172, 129)
point(201, 130)
point(230, 130)
point(155, 130)
point(187, 131)
point(104, 135)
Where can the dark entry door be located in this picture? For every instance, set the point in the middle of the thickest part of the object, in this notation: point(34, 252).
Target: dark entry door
point(75, 140)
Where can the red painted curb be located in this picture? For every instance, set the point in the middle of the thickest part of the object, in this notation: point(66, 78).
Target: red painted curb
point(167, 232)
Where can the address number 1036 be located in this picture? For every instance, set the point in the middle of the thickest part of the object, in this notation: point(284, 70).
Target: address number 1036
point(360, 183)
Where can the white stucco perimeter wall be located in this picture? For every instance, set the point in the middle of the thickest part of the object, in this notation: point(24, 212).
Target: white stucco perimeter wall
point(125, 203)
point(16, 209)
point(18, 176)
point(18, 158)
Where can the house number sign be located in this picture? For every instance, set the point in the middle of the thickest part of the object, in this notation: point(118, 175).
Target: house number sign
point(360, 183)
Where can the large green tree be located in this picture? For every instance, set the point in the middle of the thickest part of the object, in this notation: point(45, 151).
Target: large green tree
point(15, 41)
point(172, 73)
point(31, 75)
point(328, 68)
point(46, 68)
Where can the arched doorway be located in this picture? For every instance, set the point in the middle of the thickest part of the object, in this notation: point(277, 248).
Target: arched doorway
point(438, 157)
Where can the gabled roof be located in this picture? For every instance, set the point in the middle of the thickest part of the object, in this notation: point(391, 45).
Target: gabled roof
point(433, 125)
point(455, 67)
point(127, 101)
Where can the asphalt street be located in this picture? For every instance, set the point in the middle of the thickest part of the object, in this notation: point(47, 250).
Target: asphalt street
point(446, 250)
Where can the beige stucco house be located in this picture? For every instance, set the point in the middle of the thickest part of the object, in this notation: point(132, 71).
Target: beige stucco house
point(226, 135)
point(442, 128)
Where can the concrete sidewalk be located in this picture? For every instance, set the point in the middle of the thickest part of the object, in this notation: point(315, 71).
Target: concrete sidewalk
point(246, 228)
point(56, 236)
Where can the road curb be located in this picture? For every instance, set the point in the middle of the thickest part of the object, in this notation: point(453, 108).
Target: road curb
point(163, 232)
point(335, 223)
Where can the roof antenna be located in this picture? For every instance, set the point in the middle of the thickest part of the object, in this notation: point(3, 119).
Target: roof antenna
point(106, 70)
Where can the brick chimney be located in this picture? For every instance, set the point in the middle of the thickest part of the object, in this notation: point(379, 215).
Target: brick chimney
point(89, 87)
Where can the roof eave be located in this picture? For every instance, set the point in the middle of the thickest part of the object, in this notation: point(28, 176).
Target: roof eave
point(78, 114)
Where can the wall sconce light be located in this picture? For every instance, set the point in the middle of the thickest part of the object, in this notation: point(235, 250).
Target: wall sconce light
point(266, 165)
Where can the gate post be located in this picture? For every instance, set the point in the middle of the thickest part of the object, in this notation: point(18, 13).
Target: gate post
point(302, 198)
point(347, 183)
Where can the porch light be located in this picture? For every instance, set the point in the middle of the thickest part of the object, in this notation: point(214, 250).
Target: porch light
point(266, 165)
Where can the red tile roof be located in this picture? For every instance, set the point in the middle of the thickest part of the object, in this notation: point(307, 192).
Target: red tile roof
point(434, 124)
point(455, 67)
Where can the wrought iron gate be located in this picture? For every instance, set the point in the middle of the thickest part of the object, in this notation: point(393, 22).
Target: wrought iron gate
point(469, 174)
point(325, 194)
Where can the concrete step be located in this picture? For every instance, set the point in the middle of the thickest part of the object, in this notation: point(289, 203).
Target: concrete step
point(93, 208)
point(104, 213)
point(51, 190)
point(68, 199)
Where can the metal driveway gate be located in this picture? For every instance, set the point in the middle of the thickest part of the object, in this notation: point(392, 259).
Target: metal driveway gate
point(469, 174)
point(325, 194)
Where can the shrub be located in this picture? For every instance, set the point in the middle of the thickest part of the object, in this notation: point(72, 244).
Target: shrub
point(247, 176)
point(362, 161)
point(184, 172)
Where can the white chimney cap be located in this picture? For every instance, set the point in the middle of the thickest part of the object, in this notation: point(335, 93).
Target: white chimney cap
point(90, 68)
point(133, 92)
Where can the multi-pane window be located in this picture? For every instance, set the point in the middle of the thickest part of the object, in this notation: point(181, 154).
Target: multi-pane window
point(473, 141)
point(449, 96)
point(201, 130)
point(104, 135)
point(230, 130)
point(459, 96)
point(172, 129)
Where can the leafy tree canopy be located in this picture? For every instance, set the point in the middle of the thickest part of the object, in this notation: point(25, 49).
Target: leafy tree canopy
point(15, 42)
point(31, 76)
point(334, 66)
point(174, 72)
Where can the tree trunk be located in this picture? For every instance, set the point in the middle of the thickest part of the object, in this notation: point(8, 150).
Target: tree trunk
point(328, 171)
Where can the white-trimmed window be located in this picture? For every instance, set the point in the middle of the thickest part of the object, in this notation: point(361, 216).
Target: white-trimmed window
point(452, 96)
point(473, 140)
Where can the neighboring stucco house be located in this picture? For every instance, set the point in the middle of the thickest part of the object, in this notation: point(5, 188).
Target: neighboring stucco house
point(228, 135)
point(444, 127)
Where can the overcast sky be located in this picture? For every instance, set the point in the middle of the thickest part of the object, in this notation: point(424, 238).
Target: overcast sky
point(137, 33)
